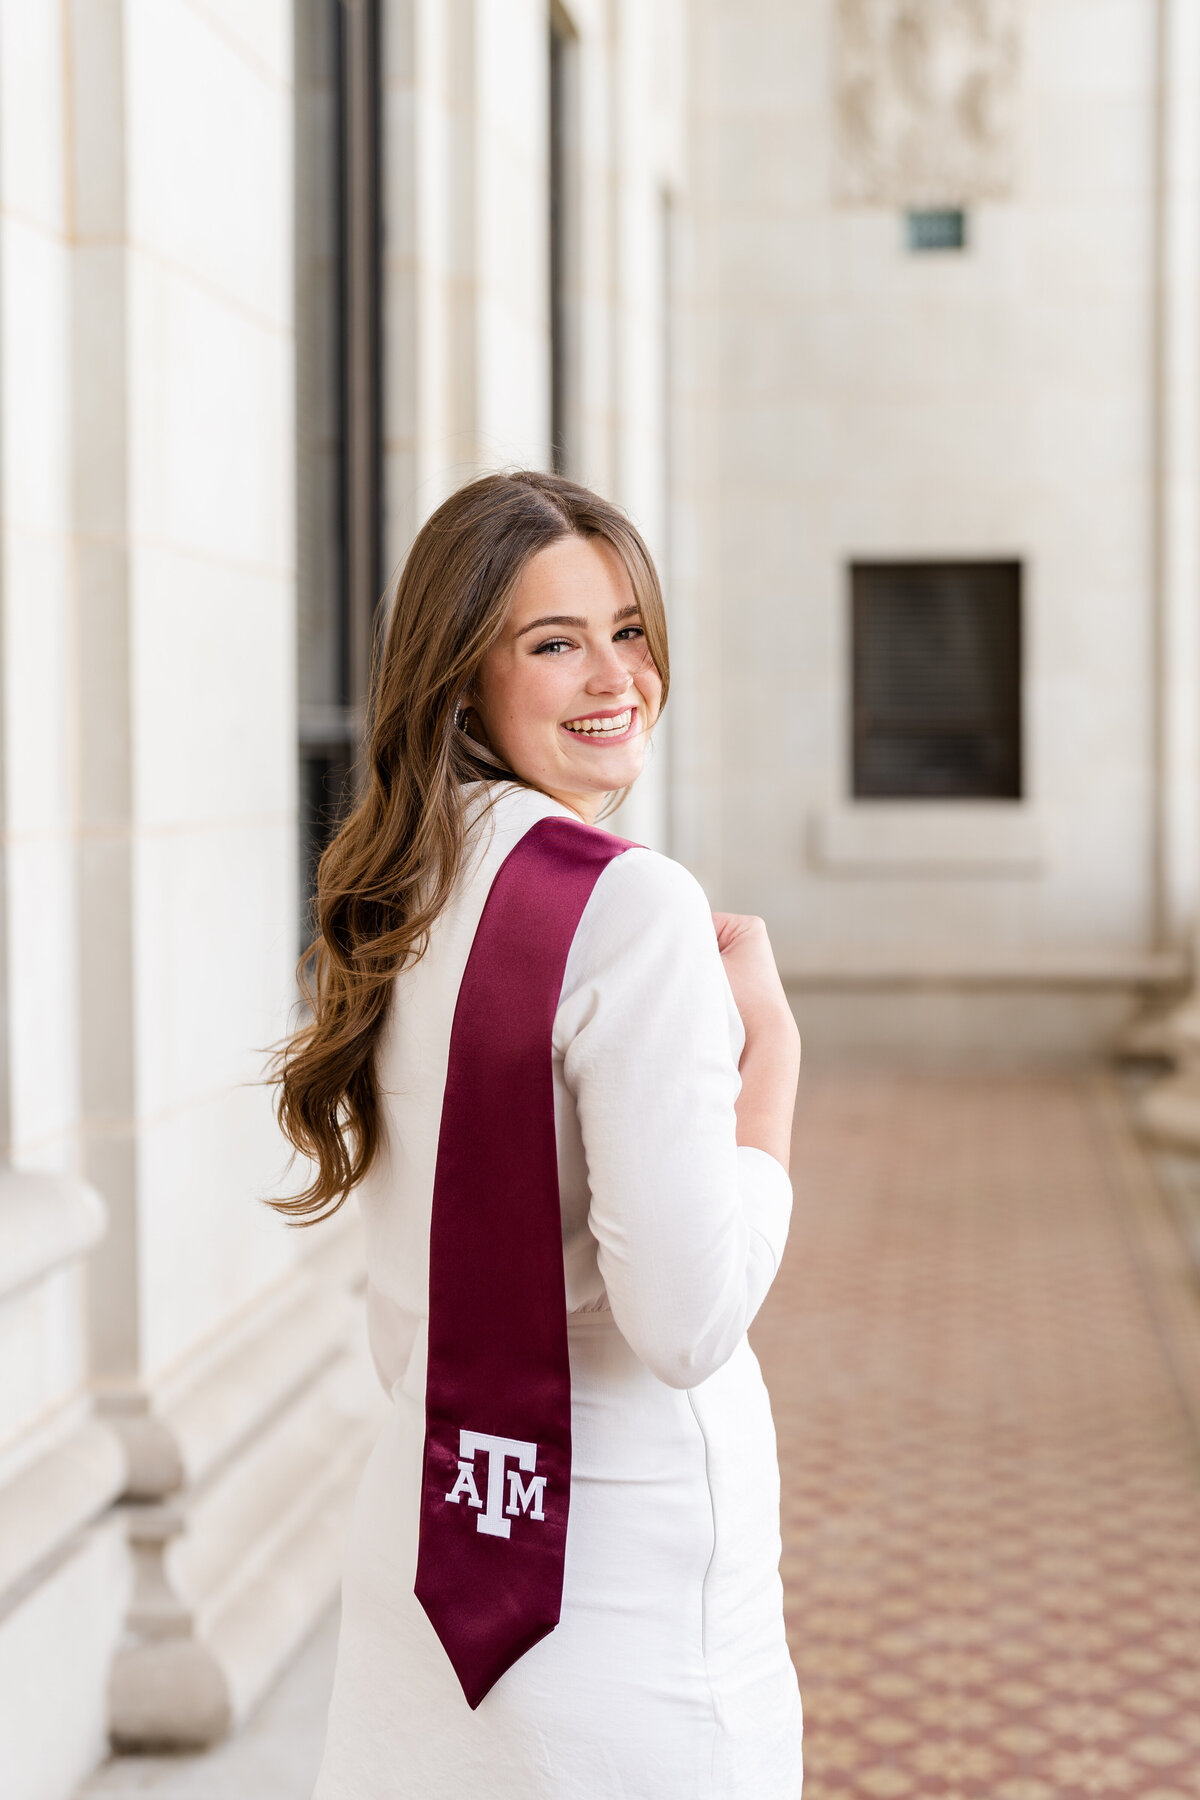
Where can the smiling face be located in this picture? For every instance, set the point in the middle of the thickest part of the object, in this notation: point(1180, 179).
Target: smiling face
point(567, 694)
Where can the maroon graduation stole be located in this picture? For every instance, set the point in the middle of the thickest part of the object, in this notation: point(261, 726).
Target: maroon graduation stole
point(497, 1474)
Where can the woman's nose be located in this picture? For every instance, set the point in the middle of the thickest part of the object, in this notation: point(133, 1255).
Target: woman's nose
point(610, 674)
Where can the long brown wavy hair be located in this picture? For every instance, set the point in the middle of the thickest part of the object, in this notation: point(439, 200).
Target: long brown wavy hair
point(392, 866)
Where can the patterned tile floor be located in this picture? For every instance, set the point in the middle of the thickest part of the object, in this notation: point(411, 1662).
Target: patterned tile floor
point(984, 1357)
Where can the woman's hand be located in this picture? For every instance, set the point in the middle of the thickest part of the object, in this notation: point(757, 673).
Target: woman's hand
point(770, 1064)
point(750, 967)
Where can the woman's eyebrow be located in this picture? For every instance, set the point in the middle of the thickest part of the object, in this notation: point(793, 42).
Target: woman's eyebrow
point(553, 619)
point(579, 624)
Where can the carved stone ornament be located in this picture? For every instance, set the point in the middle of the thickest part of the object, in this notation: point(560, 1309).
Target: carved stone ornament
point(926, 101)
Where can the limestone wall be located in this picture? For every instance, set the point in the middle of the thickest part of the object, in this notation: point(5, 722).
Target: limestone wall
point(1005, 401)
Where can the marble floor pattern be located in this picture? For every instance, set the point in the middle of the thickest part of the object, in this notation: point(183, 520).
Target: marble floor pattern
point(984, 1356)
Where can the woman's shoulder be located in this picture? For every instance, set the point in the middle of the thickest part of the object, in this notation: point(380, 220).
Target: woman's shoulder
point(654, 883)
point(639, 894)
point(644, 904)
point(638, 878)
point(646, 937)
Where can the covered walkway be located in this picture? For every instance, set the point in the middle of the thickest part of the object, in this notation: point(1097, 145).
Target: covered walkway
point(984, 1353)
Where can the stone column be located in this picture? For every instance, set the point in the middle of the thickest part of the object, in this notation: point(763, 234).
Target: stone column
point(465, 269)
point(63, 1572)
point(647, 177)
point(467, 264)
point(1170, 1110)
point(224, 1347)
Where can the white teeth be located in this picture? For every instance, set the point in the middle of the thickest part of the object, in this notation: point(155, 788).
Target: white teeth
point(603, 727)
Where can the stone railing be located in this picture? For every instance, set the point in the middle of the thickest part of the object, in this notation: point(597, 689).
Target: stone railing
point(63, 1566)
point(242, 1467)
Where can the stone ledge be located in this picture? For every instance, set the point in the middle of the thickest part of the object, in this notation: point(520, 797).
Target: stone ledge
point(1168, 1114)
point(930, 837)
point(971, 969)
point(43, 1507)
point(180, 1431)
point(287, 1597)
point(45, 1221)
point(56, 1649)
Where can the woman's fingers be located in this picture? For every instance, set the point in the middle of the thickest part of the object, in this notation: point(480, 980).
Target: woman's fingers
point(737, 928)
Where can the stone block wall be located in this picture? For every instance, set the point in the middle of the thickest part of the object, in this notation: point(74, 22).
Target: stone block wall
point(1030, 397)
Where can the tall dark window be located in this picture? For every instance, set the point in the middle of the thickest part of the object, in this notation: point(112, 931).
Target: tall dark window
point(936, 680)
point(563, 166)
point(339, 366)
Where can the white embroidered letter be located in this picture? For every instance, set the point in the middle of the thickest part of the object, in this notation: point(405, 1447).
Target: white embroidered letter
point(465, 1485)
point(524, 1498)
point(496, 1449)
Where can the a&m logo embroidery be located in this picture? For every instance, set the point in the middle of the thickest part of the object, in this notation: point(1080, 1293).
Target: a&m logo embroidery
point(523, 1496)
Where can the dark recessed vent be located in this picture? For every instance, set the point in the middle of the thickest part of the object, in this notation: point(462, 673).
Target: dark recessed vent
point(937, 228)
point(937, 680)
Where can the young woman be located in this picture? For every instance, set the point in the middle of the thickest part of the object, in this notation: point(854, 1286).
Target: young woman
point(562, 1578)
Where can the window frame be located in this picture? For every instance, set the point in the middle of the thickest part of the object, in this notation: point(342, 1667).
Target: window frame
point(1005, 720)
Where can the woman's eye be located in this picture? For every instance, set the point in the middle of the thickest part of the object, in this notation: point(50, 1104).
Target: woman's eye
point(630, 632)
point(554, 645)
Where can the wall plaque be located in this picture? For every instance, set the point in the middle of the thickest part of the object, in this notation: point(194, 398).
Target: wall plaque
point(926, 101)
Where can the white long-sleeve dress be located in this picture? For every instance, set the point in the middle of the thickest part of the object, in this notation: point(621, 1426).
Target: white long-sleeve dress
point(668, 1676)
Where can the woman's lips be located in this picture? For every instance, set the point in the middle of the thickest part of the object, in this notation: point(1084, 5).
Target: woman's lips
point(613, 727)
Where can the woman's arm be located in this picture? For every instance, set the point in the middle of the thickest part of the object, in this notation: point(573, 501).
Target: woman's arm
point(689, 1227)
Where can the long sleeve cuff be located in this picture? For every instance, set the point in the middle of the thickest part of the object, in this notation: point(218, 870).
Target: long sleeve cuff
point(766, 1195)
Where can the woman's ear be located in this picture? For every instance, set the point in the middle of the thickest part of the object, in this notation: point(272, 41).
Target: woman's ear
point(471, 725)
